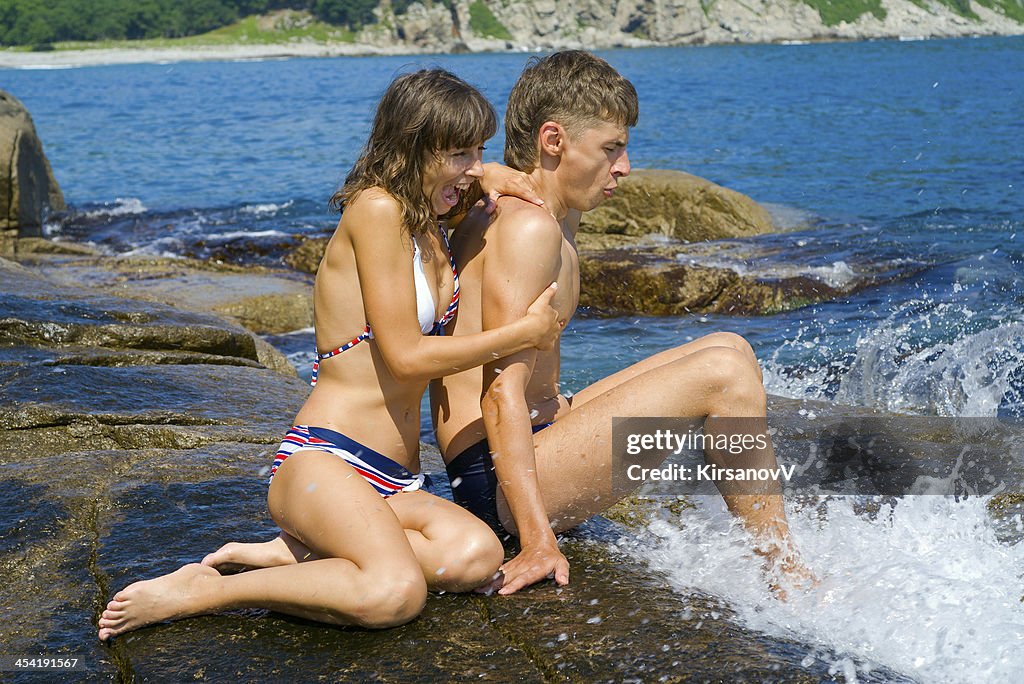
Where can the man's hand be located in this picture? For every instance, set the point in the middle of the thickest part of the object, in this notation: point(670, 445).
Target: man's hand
point(534, 563)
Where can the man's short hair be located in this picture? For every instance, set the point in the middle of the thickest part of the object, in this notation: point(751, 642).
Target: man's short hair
point(573, 88)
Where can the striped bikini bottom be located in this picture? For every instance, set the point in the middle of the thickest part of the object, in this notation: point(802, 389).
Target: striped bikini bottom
point(383, 474)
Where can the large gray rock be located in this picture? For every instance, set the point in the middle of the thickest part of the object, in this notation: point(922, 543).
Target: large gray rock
point(27, 186)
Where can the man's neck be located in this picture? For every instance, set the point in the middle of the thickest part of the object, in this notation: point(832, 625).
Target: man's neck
point(548, 187)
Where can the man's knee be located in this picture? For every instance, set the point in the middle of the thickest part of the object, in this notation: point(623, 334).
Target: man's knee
point(732, 340)
point(732, 381)
point(737, 342)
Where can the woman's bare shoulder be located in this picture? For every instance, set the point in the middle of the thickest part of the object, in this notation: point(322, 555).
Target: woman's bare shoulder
point(373, 206)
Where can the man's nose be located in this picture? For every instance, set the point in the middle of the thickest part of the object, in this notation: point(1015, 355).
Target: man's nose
point(622, 167)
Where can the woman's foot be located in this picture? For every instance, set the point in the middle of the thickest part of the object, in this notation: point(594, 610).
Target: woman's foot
point(169, 597)
point(238, 557)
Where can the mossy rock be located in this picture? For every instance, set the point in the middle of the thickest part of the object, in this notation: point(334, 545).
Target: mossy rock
point(679, 206)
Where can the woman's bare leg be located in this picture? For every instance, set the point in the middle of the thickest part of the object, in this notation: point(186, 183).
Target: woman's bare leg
point(455, 549)
point(283, 549)
point(367, 574)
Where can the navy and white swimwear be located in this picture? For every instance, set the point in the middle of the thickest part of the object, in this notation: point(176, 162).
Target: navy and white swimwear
point(475, 484)
point(383, 474)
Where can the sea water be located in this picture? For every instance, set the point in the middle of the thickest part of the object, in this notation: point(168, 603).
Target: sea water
point(895, 170)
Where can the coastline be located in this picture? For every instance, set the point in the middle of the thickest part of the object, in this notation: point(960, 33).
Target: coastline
point(68, 59)
point(74, 58)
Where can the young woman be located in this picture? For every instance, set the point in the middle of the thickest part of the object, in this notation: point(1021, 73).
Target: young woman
point(345, 487)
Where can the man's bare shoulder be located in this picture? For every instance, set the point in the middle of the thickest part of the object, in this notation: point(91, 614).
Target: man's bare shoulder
point(520, 225)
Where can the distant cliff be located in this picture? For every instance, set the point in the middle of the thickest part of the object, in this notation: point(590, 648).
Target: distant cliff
point(473, 25)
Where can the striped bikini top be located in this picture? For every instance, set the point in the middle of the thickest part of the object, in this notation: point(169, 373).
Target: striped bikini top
point(424, 306)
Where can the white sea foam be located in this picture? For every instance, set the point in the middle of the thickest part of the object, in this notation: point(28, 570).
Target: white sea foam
point(169, 247)
point(232, 235)
point(47, 67)
point(838, 274)
point(924, 587)
point(263, 209)
point(122, 206)
point(967, 376)
point(925, 357)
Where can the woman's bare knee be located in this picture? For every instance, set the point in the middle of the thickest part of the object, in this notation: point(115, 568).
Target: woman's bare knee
point(470, 560)
point(390, 598)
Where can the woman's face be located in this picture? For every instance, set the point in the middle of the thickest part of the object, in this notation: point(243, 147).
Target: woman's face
point(450, 174)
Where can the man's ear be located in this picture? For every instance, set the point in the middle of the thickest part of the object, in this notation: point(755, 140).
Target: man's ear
point(552, 138)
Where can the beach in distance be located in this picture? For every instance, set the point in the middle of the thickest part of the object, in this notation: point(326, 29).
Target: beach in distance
point(881, 294)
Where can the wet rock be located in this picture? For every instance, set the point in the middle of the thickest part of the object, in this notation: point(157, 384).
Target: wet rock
point(13, 247)
point(28, 189)
point(266, 301)
point(679, 206)
point(627, 281)
point(306, 257)
point(38, 312)
point(115, 470)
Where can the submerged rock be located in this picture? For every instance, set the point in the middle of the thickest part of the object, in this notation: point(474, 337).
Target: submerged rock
point(28, 189)
point(618, 282)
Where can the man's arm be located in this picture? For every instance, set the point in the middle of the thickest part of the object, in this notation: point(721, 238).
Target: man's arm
point(522, 260)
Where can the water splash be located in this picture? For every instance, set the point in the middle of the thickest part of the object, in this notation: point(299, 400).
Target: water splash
point(955, 348)
point(925, 586)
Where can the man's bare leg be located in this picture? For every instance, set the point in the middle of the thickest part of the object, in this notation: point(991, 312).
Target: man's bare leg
point(574, 455)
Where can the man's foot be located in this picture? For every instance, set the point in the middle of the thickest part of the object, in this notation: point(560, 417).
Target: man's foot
point(164, 598)
point(238, 557)
point(788, 573)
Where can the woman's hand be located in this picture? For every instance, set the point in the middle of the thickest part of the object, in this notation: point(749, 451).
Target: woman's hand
point(500, 180)
point(546, 323)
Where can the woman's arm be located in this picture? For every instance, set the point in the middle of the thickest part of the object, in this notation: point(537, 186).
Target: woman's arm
point(383, 255)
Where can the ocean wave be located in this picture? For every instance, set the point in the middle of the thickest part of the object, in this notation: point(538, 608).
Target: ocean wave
point(122, 206)
point(265, 209)
point(839, 274)
point(968, 375)
point(236, 234)
point(924, 585)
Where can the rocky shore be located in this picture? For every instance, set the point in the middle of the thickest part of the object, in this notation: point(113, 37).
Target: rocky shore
point(137, 436)
point(431, 26)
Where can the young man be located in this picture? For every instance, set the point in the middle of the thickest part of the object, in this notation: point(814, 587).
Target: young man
point(521, 455)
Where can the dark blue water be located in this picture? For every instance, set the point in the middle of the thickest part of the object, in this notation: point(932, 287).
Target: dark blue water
point(888, 157)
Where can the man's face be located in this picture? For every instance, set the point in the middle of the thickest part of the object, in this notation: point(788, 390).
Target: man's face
point(594, 161)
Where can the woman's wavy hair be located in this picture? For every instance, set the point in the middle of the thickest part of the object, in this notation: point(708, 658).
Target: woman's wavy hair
point(420, 115)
